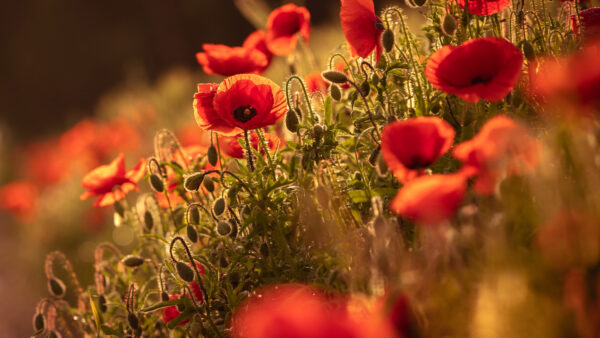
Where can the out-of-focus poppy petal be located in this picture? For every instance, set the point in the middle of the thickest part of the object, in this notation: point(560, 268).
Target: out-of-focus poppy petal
point(315, 83)
point(590, 20)
point(360, 26)
point(484, 7)
point(283, 26)
point(226, 61)
point(257, 40)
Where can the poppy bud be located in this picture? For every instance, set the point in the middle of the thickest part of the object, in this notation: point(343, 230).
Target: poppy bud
point(435, 108)
point(246, 211)
point(56, 287)
point(379, 24)
point(365, 88)
point(291, 121)
point(373, 156)
point(528, 50)
point(335, 92)
point(156, 183)
point(374, 79)
point(164, 296)
point(380, 166)
point(133, 320)
point(207, 182)
point(185, 272)
point(318, 131)
point(132, 261)
point(194, 215)
point(119, 208)
point(234, 228)
point(39, 322)
point(223, 228)
point(232, 193)
point(193, 181)
point(219, 206)
point(264, 250)
point(298, 112)
point(212, 155)
point(415, 3)
point(448, 25)
point(102, 303)
point(148, 220)
point(387, 39)
point(192, 234)
point(223, 261)
point(520, 17)
point(335, 77)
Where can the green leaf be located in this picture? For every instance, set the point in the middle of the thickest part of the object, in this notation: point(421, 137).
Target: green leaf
point(161, 305)
point(358, 196)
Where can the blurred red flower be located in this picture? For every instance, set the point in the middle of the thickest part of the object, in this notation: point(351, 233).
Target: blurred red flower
point(362, 28)
point(409, 146)
point(483, 68)
point(232, 147)
point(299, 311)
point(590, 20)
point(315, 83)
point(170, 312)
point(102, 181)
point(428, 200)
point(283, 26)
point(45, 164)
point(484, 7)
point(20, 199)
point(257, 41)
point(502, 147)
point(226, 61)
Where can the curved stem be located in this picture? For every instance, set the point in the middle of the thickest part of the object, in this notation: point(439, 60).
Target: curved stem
point(369, 112)
point(248, 151)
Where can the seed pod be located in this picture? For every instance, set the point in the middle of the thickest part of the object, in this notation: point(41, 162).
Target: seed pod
point(192, 234)
point(291, 121)
point(156, 183)
point(185, 272)
point(102, 303)
point(449, 25)
point(219, 206)
point(264, 250)
point(194, 215)
point(365, 88)
point(208, 183)
point(373, 156)
point(133, 320)
point(132, 261)
point(528, 50)
point(223, 228)
point(212, 155)
point(387, 39)
point(193, 181)
point(39, 322)
point(334, 76)
point(56, 287)
point(148, 220)
point(335, 92)
point(119, 208)
point(164, 296)
point(318, 131)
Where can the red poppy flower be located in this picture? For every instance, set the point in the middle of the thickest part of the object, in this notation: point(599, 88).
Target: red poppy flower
point(484, 7)
point(431, 199)
point(226, 61)
point(501, 148)
point(362, 28)
point(283, 26)
point(233, 148)
point(590, 20)
point(315, 83)
point(297, 311)
point(412, 145)
point(257, 40)
point(20, 199)
point(45, 164)
point(102, 181)
point(484, 68)
point(205, 113)
point(170, 312)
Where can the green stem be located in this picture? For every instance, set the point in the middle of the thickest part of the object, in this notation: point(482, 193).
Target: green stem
point(248, 151)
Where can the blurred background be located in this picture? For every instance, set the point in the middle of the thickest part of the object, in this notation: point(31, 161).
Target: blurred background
point(81, 81)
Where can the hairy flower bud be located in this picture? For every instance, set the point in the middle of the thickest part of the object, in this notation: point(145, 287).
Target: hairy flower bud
point(132, 261)
point(185, 272)
point(448, 25)
point(387, 39)
point(164, 297)
point(192, 234)
point(223, 228)
point(334, 76)
point(234, 228)
point(528, 50)
point(212, 155)
point(365, 88)
point(39, 322)
point(148, 220)
point(335, 92)
point(102, 303)
point(56, 287)
point(119, 208)
point(193, 181)
point(318, 131)
point(219, 206)
point(156, 183)
point(208, 183)
point(291, 121)
point(133, 320)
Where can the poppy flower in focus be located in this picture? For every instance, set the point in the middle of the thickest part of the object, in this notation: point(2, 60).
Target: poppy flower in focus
point(315, 83)
point(590, 21)
point(283, 26)
point(226, 61)
point(362, 28)
point(298, 311)
point(412, 145)
point(428, 200)
point(20, 199)
point(102, 181)
point(233, 148)
point(205, 113)
point(483, 7)
point(483, 68)
point(257, 41)
point(502, 147)
point(170, 312)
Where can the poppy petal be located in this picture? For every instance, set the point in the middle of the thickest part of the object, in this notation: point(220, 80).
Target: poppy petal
point(206, 115)
point(359, 25)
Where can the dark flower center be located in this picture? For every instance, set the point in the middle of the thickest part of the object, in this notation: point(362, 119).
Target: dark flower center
point(244, 113)
point(417, 162)
point(480, 79)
